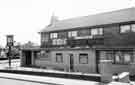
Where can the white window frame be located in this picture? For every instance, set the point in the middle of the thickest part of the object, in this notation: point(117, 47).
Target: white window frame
point(72, 34)
point(59, 41)
point(127, 57)
point(83, 58)
point(59, 57)
point(53, 35)
point(133, 27)
point(97, 31)
point(125, 28)
point(54, 41)
point(121, 57)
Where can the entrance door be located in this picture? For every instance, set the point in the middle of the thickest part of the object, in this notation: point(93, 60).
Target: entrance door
point(28, 58)
point(71, 62)
point(97, 61)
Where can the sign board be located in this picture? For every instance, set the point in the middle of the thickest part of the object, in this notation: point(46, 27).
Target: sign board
point(84, 37)
point(10, 40)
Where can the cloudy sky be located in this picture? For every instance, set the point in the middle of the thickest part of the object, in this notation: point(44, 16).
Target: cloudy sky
point(25, 18)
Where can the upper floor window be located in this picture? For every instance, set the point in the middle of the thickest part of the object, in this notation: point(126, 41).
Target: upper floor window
point(59, 41)
point(53, 35)
point(84, 32)
point(133, 27)
point(72, 34)
point(124, 28)
point(97, 31)
point(44, 37)
point(62, 34)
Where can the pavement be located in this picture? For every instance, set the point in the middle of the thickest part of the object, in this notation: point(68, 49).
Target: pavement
point(21, 79)
point(5, 81)
point(39, 80)
point(46, 80)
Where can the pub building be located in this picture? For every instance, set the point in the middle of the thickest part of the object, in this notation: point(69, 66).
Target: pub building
point(78, 44)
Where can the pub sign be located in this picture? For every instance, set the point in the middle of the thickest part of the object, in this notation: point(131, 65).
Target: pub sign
point(10, 40)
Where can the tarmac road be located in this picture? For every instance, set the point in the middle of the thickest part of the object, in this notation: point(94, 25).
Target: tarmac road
point(5, 81)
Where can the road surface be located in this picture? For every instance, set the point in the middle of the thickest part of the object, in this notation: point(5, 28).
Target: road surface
point(5, 81)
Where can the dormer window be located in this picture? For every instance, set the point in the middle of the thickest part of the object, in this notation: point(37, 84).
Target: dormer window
point(97, 31)
point(72, 34)
point(53, 35)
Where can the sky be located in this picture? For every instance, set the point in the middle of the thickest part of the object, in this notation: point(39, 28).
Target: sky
point(25, 18)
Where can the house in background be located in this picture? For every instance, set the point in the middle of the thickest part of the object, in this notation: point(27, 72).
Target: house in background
point(78, 44)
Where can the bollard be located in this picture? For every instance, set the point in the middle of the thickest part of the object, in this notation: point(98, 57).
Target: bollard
point(105, 71)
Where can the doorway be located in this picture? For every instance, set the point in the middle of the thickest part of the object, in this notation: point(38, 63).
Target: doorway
point(28, 58)
point(71, 59)
point(97, 60)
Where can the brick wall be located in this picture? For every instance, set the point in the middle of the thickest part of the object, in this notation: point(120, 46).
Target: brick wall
point(88, 68)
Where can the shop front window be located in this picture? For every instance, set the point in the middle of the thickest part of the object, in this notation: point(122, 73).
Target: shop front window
point(127, 57)
point(120, 57)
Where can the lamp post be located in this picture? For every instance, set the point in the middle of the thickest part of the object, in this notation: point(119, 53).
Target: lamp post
point(10, 43)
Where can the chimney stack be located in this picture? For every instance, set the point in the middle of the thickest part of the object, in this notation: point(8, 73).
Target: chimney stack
point(54, 19)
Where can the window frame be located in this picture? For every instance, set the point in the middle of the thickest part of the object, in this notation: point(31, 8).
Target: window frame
point(98, 30)
point(120, 54)
point(125, 31)
point(60, 58)
point(44, 37)
point(84, 32)
point(86, 56)
point(72, 34)
point(62, 35)
point(53, 35)
point(59, 41)
point(43, 55)
point(133, 26)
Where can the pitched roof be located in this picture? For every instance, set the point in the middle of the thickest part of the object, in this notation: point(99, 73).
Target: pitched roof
point(122, 15)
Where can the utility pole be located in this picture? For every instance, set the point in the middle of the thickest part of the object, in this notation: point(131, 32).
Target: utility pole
point(10, 43)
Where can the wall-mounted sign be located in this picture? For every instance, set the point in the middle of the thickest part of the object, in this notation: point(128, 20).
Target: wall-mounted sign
point(84, 37)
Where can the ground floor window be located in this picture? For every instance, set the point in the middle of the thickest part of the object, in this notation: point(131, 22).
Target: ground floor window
point(59, 57)
point(120, 57)
point(83, 58)
point(42, 55)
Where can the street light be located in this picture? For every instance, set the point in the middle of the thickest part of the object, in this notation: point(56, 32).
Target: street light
point(10, 43)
